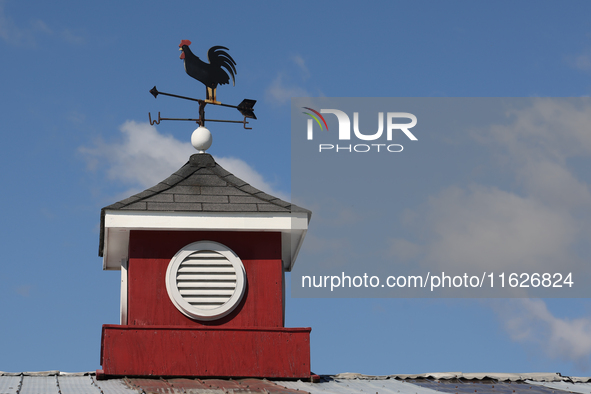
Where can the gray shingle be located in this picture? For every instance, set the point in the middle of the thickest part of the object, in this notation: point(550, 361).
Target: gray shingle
point(136, 206)
point(203, 180)
point(202, 160)
point(159, 187)
point(172, 180)
point(223, 190)
point(117, 205)
point(205, 171)
point(130, 200)
point(244, 199)
point(266, 207)
point(219, 171)
point(185, 171)
point(173, 206)
point(184, 190)
point(230, 207)
point(144, 194)
point(265, 196)
point(249, 189)
point(200, 198)
point(162, 197)
point(279, 202)
point(235, 180)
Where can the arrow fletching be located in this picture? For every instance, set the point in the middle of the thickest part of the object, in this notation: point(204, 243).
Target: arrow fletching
point(246, 108)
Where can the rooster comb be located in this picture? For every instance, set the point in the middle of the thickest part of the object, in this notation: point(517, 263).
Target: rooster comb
point(185, 42)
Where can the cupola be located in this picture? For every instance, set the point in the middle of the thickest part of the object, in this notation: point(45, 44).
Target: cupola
point(203, 257)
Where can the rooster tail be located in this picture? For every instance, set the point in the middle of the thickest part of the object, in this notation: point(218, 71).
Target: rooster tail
point(218, 57)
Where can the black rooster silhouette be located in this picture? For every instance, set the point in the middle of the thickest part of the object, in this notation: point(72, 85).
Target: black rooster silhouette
point(210, 74)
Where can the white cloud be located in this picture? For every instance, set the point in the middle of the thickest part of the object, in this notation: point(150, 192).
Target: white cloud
point(145, 157)
point(9, 32)
point(334, 252)
point(282, 89)
point(281, 92)
point(485, 227)
point(71, 37)
point(541, 142)
point(539, 223)
point(543, 220)
point(301, 63)
point(528, 321)
point(13, 34)
point(549, 129)
point(39, 25)
point(248, 174)
point(581, 61)
point(24, 290)
point(552, 183)
point(403, 250)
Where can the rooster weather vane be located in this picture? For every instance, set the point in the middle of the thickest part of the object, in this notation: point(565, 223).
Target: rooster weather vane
point(211, 75)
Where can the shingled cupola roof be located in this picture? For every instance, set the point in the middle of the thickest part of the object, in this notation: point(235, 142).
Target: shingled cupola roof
point(201, 195)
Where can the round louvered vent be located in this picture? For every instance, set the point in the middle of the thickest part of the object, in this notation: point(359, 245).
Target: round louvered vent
point(205, 280)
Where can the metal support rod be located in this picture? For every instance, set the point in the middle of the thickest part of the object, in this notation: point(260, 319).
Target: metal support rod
point(155, 93)
point(225, 105)
point(225, 121)
point(202, 114)
point(245, 108)
point(200, 121)
point(245, 105)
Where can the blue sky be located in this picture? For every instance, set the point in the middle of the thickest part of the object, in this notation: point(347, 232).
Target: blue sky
point(75, 80)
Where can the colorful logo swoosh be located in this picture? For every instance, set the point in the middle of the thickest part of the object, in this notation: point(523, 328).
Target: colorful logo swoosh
point(316, 118)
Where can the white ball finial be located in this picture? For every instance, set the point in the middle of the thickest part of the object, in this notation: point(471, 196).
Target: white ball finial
point(201, 139)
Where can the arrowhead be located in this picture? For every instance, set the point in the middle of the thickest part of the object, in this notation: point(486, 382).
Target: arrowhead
point(154, 92)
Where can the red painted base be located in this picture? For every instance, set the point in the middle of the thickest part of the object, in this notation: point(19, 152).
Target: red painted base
point(205, 352)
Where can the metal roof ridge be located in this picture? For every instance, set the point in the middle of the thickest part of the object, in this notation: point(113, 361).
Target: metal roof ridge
point(533, 376)
point(47, 373)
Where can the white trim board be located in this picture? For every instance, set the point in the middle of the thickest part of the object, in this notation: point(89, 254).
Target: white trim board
point(293, 227)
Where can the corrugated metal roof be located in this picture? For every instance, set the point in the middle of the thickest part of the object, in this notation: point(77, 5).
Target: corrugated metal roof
point(198, 386)
point(583, 388)
point(39, 385)
point(349, 386)
point(78, 385)
point(10, 384)
point(511, 377)
point(456, 386)
point(114, 386)
point(54, 382)
point(456, 383)
point(504, 377)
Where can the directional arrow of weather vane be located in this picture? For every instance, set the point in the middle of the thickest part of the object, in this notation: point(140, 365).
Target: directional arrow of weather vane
point(211, 75)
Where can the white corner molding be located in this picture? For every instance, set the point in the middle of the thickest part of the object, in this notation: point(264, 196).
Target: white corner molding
point(123, 305)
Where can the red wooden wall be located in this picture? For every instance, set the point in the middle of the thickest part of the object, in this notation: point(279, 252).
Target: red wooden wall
point(210, 351)
point(150, 253)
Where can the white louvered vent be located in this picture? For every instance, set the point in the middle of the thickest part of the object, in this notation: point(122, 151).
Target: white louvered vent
point(205, 280)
